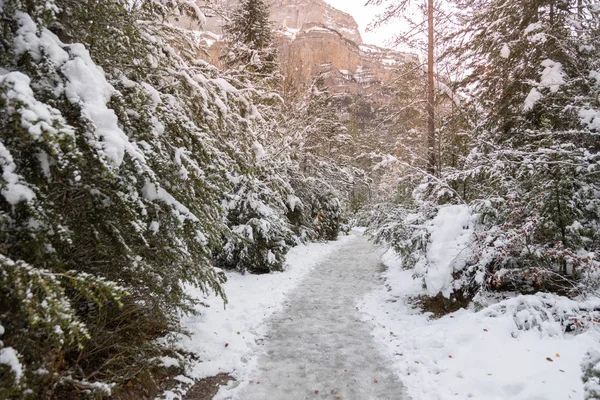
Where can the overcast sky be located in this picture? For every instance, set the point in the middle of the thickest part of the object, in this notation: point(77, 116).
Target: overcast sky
point(363, 16)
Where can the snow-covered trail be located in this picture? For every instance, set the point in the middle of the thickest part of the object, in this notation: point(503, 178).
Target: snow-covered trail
point(319, 347)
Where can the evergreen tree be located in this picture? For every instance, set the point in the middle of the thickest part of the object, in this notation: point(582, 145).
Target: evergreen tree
point(529, 113)
point(116, 151)
point(250, 39)
point(534, 167)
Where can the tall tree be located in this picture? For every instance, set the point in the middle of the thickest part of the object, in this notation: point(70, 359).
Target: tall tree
point(399, 9)
point(533, 82)
point(250, 39)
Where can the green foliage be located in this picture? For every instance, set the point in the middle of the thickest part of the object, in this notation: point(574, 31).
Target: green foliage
point(112, 181)
point(591, 375)
point(520, 149)
point(261, 233)
point(250, 38)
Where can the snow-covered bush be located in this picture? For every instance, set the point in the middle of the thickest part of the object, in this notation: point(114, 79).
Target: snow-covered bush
point(548, 313)
point(591, 374)
point(261, 233)
point(394, 225)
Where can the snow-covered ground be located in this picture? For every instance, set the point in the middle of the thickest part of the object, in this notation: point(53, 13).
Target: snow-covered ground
point(512, 349)
point(318, 347)
point(487, 354)
point(225, 339)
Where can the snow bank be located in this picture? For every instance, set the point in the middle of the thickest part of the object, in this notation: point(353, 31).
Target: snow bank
point(225, 339)
point(515, 349)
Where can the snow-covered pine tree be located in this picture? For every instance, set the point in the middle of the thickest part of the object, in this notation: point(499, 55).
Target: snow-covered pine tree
point(249, 38)
point(256, 214)
point(257, 207)
point(324, 158)
point(116, 147)
point(534, 170)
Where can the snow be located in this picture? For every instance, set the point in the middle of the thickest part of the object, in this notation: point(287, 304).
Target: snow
point(8, 356)
point(319, 29)
point(86, 86)
point(592, 362)
point(487, 354)
point(14, 190)
point(224, 85)
point(591, 118)
point(200, 17)
point(44, 161)
point(292, 202)
point(533, 27)
point(225, 339)
point(36, 117)
point(450, 232)
point(318, 347)
point(505, 51)
point(290, 32)
point(552, 75)
point(259, 151)
point(533, 97)
point(153, 192)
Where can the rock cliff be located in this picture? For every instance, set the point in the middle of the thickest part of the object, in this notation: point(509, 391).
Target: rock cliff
point(312, 37)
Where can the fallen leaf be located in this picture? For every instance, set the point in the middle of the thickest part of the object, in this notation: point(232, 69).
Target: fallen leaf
point(557, 355)
point(129, 384)
point(549, 359)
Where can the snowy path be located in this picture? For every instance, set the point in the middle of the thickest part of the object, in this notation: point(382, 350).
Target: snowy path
point(318, 347)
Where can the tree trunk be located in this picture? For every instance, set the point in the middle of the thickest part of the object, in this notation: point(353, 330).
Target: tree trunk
point(431, 156)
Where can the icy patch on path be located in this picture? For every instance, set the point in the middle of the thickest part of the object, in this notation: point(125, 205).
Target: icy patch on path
point(318, 347)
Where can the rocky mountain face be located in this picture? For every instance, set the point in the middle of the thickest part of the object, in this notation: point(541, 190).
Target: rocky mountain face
point(314, 37)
